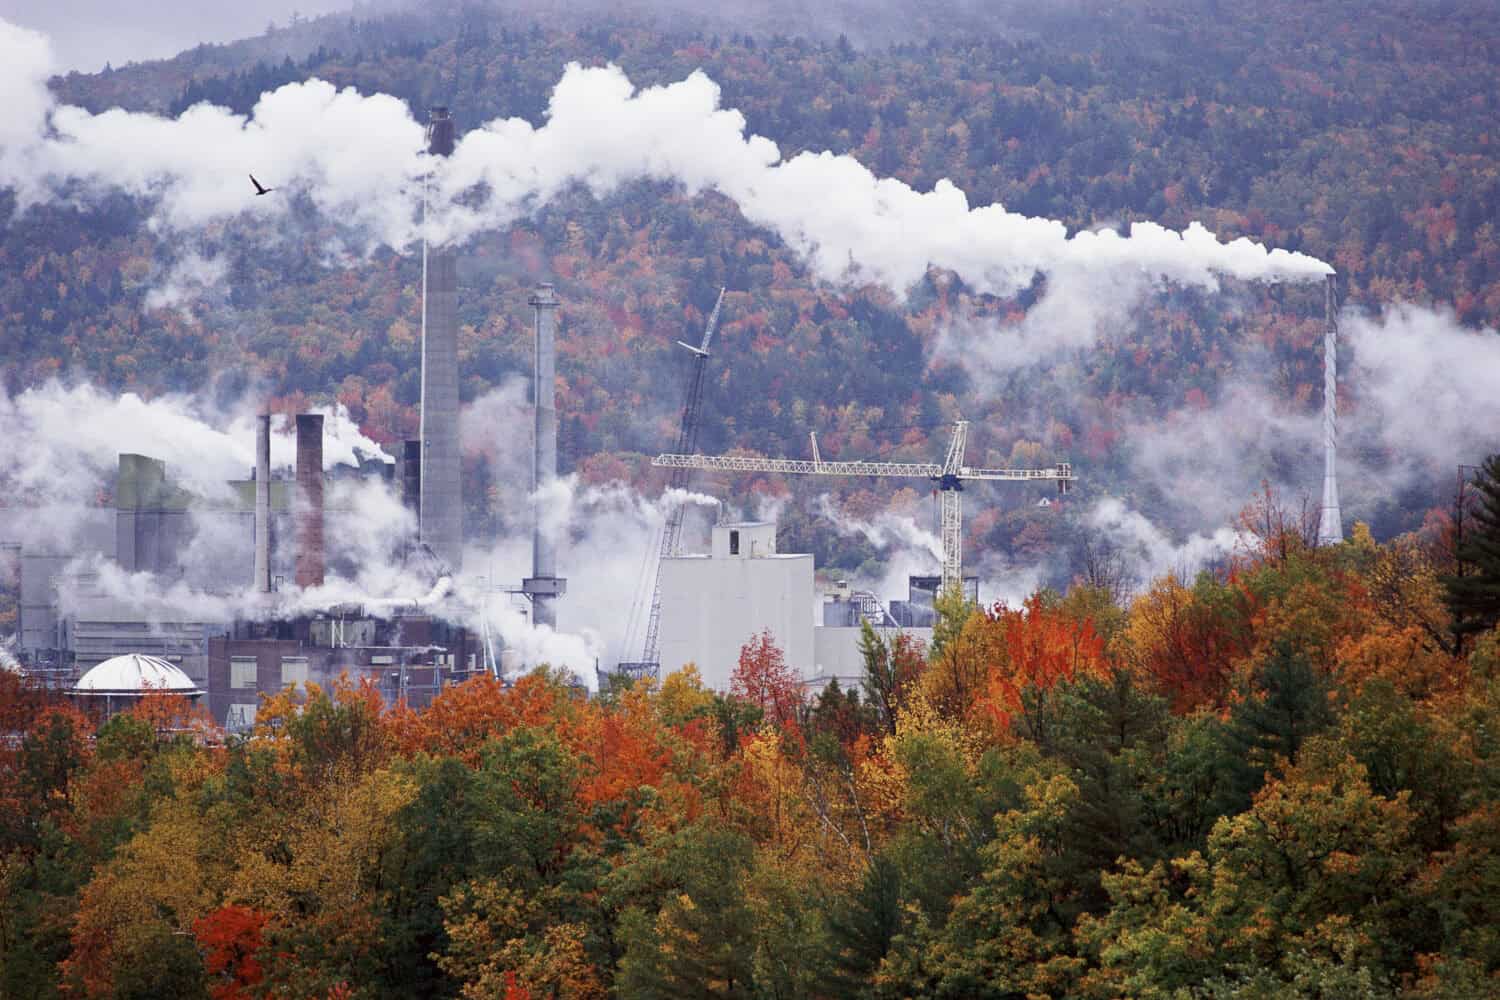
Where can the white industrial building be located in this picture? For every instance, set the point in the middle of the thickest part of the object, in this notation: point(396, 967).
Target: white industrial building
point(711, 605)
point(714, 603)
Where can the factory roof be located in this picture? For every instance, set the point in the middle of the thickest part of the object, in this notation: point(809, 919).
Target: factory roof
point(133, 674)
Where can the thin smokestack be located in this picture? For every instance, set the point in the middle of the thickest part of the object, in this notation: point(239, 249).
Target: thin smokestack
point(309, 499)
point(263, 503)
point(1330, 523)
point(544, 586)
point(440, 510)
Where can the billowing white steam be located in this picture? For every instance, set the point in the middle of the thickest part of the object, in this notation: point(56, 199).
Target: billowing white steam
point(356, 157)
point(602, 530)
point(1149, 551)
point(359, 159)
point(1426, 388)
point(887, 530)
point(1423, 395)
point(64, 439)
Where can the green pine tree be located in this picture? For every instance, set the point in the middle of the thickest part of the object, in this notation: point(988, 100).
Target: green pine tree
point(1473, 591)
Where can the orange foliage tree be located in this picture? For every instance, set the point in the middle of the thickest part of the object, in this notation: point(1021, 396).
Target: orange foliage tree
point(1043, 648)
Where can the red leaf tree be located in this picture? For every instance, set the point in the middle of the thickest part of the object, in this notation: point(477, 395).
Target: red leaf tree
point(763, 678)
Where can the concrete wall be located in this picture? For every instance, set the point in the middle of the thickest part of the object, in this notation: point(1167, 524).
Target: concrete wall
point(836, 653)
point(152, 518)
point(712, 606)
point(92, 533)
point(102, 627)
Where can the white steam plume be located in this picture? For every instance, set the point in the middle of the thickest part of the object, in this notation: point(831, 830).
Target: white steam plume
point(603, 530)
point(887, 530)
point(1151, 551)
point(356, 158)
point(1422, 395)
point(188, 279)
point(360, 159)
point(1426, 388)
point(65, 440)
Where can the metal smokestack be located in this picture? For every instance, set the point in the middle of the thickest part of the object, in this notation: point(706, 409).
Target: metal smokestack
point(309, 499)
point(263, 503)
point(543, 586)
point(440, 510)
point(1330, 522)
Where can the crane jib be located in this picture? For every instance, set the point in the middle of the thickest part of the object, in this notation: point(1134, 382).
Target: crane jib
point(949, 477)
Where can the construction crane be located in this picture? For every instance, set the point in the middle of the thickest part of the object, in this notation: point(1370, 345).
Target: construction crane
point(671, 534)
point(950, 477)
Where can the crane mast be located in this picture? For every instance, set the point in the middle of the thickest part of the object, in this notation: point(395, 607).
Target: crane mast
point(949, 477)
point(671, 534)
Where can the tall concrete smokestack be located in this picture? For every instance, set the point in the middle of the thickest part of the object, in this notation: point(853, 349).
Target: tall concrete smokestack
point(1330, 522)
point(440, 511)
point(543, 586)
point(309, 501)
point(263, 503)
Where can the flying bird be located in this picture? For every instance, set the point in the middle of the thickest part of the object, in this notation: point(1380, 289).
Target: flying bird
point(259, 190)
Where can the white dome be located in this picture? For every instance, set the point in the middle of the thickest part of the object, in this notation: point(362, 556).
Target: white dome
point(134, 673)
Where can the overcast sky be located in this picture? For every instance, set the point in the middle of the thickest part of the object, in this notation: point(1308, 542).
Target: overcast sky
point(88, 33)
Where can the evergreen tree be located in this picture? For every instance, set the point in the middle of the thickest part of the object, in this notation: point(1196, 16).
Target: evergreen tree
point(1473, 590)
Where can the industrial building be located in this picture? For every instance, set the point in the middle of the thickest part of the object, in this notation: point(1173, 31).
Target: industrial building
point(276, 527)
point(279, 528)
point(407, 657)
point(713, 603)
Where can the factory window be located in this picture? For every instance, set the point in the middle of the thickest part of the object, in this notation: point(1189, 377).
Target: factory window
point(293, 670)
point(242, 671)
point(734, 543)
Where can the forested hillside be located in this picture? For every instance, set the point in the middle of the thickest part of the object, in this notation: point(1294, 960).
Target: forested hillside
point(1353, 132)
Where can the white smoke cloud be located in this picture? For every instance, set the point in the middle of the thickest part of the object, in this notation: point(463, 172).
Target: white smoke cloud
point(886, 530)
point(850, 225)
point(1419, 394)
point(356, 158)
point(8, 659)
point(359, 159)
point(603, 531)
point(1146, 546)
point(65, 440)
point(1423, 386)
